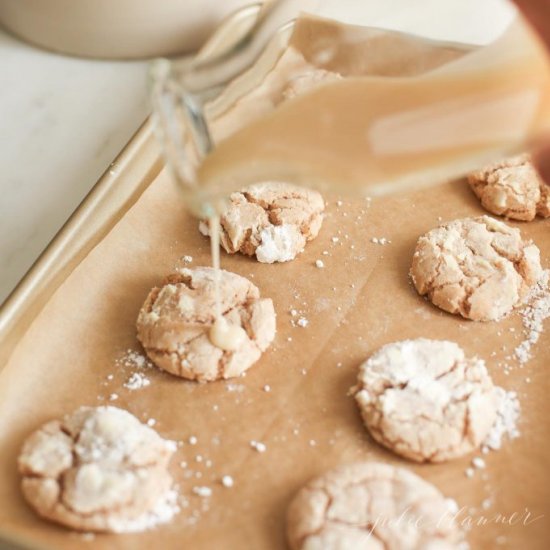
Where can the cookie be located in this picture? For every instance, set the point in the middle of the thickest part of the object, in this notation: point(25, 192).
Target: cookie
point(371, 506)
point(512, 188)
point(309, 80)
point(479, 268)
point(272, 221)
point(175, 321)
point(424, 400)
point(98, 469)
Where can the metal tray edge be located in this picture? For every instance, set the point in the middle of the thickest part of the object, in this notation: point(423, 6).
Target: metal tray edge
point(115, 192)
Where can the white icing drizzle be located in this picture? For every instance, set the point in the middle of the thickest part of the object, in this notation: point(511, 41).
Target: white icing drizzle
point(222, 334)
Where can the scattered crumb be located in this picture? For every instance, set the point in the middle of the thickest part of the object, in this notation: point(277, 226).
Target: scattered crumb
point(202, 491)
point(193, 440)
point(234, 387)
point(258, 446)
point(380, 240)
point(302, 322)
point(113, 397)
point(319, 263)
point(137, 381)
point(267, 388)
point(227, 481)
point(478, 463)
point(151, 422)
point(134, 359)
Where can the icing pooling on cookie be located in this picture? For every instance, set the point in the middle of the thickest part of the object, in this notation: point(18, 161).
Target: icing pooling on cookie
point(225, 335)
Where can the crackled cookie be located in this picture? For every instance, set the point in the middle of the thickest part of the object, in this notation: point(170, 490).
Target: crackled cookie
point(272, 221)
point(371, 506)
point(175, 321)
point(309, 80)
point(99, 469)
point(512, 188)
point(424, 400)
point(479, 268)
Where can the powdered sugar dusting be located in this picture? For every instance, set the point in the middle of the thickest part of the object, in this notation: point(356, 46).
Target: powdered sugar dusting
point(165, 509)
point(278, 244)
point(137, 381)
point(506, 421)
point(533, 317)
point(134, 359)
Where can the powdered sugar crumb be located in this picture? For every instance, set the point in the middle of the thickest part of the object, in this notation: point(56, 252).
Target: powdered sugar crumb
point(134, 359)
point(227, 481)
point(380, 240)
point(478, 462)
point(258, 446)
point(204, 492)
point(137, 381)
point(234, 387)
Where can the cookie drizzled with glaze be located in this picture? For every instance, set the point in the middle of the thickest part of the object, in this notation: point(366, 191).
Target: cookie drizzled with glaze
point(222, 334)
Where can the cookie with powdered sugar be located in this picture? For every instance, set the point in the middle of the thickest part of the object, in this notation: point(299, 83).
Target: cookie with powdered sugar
point(425, 400)
point(479, 268)
point(99, 469)
point(372, 506)
point(512, 188)
point(271, 221)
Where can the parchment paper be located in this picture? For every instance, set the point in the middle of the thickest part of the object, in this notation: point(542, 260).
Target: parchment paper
point(359, 301)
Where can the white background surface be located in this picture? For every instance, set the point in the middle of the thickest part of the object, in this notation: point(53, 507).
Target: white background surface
point(63, 120)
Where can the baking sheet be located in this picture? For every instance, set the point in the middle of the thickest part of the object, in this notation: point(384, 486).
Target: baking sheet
point(361, 300)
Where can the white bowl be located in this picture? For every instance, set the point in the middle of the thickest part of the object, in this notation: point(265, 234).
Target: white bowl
point(116, 28)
